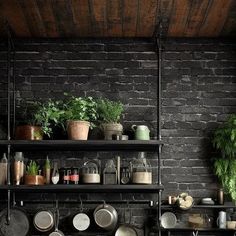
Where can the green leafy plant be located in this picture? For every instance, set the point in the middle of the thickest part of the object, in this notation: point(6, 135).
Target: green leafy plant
point(109, 111)
point(80, 108)
point(224, 140)
point(32, 168)
point(45, 114)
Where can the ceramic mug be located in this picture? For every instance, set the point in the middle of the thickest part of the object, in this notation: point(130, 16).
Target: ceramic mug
point(221, 220)
point(141, 132)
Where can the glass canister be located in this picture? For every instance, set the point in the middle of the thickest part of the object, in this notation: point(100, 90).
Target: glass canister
point(90, 172)
point(141, 170)
point(110, 173)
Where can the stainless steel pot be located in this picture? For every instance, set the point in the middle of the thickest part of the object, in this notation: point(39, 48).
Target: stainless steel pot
point(126, 230)
point(106, 216)
point(81, 221)
point(43, 221)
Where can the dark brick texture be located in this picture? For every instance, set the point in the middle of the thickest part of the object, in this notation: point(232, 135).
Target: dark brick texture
point(198, 93)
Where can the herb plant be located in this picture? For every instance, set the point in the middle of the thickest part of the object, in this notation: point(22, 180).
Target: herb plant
point(32, 168)
point(109, 111)
point(80, 108)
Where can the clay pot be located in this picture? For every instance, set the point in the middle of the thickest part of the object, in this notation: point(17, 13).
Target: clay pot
point(28, 132)
point(77, 130)
point(110, 129)
point(34, 180)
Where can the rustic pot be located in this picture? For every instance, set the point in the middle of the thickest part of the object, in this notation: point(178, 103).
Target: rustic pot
point(34, 180)
point(77, 129)
point(28, 132)
point(110, 129)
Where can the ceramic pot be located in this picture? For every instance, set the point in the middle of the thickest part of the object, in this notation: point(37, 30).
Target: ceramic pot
point(141, 132)
point(110, 129)
point(28, 132)
point(34, 180)
point(77, 130)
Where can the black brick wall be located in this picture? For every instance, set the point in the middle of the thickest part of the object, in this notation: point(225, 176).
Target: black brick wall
point(198, 92)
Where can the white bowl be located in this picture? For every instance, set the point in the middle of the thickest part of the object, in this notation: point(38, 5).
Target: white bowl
point(168, 220)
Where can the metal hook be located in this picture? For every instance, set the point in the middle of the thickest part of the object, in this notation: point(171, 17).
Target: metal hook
point(81, 203)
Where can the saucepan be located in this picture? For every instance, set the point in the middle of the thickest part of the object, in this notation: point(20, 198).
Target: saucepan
point(106, 216)
point(127, 228)
point(18, 224)
point(81, 221)
point(56, 232)
point(43, 221)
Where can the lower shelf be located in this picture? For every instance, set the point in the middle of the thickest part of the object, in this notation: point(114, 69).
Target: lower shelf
point(85, 188)
point(198, 229)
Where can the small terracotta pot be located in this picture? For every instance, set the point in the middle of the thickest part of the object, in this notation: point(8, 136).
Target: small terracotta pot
point(77, 130)
point(34, 180)
point(28, 132)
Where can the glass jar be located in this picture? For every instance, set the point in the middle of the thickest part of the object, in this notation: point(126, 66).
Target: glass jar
point(141, 170)
point(110, 173)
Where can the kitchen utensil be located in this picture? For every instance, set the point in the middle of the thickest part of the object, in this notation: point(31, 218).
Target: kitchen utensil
point(56, 232)
point(106, 216)
point(118, 168)
point(18, 225)
point(141, 132)
point(43, 221)
point(81, 221)
point(127, 229)
point(168, 220)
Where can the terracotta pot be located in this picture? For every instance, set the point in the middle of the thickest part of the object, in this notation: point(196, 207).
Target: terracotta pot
point(78, 130)
point(110, 129)
point(28, 132)
point(34, 180)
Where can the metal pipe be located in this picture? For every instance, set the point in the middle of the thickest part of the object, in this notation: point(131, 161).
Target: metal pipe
point(8, 87)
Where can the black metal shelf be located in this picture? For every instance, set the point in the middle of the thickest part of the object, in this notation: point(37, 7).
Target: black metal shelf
point(85, 145)
point(93, 188)
point(197, 229)
point(226, 206)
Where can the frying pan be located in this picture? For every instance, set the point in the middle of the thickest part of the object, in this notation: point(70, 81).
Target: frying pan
point(18, 225)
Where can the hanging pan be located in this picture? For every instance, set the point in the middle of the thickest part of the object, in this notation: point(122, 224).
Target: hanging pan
point(18, 224)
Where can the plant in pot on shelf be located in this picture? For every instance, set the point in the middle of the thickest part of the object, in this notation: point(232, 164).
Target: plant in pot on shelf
point(79, 115)
point(32, 176)
point(109, 114)
point(40, 117)
point(224, 140)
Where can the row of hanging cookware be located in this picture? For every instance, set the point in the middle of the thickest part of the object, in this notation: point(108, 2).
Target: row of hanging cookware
point(104, 215)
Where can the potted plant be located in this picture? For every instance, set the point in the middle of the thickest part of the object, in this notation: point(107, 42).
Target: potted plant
point(40, 117)
point(79, 114)
point(225, 166)
point(109, 114)
point(32, 176)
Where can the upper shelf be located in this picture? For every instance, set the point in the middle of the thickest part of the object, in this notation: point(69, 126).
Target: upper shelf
point(85, 145)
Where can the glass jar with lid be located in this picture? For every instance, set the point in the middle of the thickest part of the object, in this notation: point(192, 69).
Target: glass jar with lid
point(110, 173)
point(141, 170)
point(90, 172)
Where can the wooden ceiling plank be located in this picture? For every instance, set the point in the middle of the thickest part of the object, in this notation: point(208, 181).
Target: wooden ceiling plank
point(229, 28)
point(130, 12)
point(62, 10)
point(13, 13)
point(166, 11)
point(215, 19)
point(81, 18)
point(33, 17)
point(114, 18)
point(45, 9)
point(179, 18)
point(196, 17)
point(147, 18)
point(98, 17)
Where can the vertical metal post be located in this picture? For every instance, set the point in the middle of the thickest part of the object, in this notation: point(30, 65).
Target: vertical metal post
point(8, 87)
